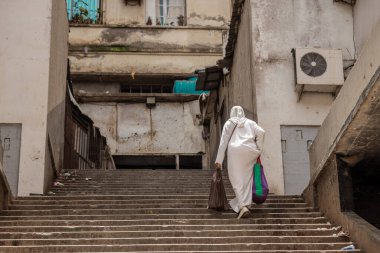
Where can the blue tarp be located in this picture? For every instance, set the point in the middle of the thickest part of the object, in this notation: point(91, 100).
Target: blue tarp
point(187, 87)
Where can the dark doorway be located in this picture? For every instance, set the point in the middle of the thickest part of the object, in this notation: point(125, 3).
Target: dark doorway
point(145, 161)
point(366, 190)
point(190, 162)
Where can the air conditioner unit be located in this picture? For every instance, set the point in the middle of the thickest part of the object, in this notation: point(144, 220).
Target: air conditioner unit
point(318, 70)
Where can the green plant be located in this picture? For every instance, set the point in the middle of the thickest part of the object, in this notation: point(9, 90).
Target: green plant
point(81, 13)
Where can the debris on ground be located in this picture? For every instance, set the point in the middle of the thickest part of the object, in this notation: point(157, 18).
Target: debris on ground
point(349, 247)
point(343, 234)
point(56, 183)
point(67, 174)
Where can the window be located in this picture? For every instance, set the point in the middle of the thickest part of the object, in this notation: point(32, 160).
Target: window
point(125, 88)
point(166, 12)
point(84, 11)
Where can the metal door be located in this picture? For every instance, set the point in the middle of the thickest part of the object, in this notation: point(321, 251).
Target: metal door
point(295, 141)
point(10, 136)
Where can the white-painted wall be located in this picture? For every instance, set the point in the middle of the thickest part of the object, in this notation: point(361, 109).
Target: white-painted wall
point(169, 128)
point(25, 70)
point(277, 27)
point(366, 16)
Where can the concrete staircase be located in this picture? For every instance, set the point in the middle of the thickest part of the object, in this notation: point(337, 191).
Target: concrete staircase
point(157, 211)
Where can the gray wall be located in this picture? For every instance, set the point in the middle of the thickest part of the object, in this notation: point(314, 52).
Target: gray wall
point(56, 91)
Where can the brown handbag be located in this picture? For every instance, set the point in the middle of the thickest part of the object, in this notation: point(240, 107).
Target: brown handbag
point(217, 199)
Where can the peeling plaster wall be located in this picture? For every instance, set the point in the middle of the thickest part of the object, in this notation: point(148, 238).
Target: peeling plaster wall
point(144, 50)
point(277, 27)
point(366, 16)
point(147, 39)
point(212, 13)
point(140, 62)
point(117, 12)
point(199, 13)
point(169, 128)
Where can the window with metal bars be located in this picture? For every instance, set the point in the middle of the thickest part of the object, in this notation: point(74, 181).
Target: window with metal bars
point(125, 88)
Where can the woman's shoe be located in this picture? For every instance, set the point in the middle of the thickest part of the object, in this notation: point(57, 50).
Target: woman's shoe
point(244, 213)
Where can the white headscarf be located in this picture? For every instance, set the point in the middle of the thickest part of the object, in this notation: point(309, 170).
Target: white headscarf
point(237, 115)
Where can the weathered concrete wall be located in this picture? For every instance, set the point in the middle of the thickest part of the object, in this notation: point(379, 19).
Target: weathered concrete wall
point(148, 39)
point(345, 104)
point(25, 48)
point(241, 89)
point(140, 62)
point(324, 194)
point(117, 12)
point(214, 13)
point(169, 128)
point(56, 91)
point(277, 27)
point(354, 103)
point(366, 16)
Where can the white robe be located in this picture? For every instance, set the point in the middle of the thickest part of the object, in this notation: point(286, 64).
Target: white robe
point(244, 148)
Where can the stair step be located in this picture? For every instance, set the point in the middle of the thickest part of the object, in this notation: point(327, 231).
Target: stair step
point(142, 202)
point(202, 205)
point(142, 211)
point(261, 240)
point(141, 197)
point(147, 226)
point(155, 219)
point(178, 247)
point(173, 231)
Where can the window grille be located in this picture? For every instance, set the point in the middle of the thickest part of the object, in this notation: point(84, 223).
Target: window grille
point(124, 88)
